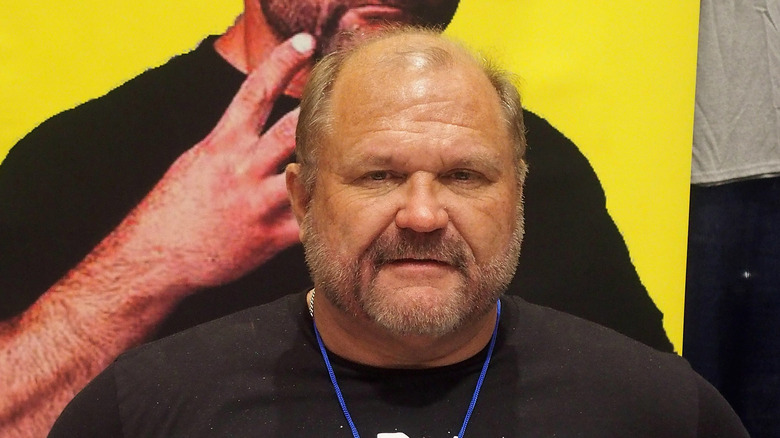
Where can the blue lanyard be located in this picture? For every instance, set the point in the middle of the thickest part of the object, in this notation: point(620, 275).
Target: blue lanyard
point(473, 403)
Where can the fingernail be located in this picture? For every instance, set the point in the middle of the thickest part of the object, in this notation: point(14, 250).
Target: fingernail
point(303, 42)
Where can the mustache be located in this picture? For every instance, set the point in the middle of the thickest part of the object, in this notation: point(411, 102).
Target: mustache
point(439, 247)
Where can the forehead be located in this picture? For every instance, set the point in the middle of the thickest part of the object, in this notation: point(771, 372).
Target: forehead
point(396, 83)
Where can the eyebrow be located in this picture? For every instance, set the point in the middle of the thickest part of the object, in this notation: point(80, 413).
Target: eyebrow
point(485, 161)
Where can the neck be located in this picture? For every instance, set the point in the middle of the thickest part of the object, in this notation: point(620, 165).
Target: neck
point(248, 44)
point(364, 342)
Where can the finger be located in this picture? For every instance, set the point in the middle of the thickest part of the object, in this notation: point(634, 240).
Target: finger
point(273, 194)
point(268, 80)
point(277, 144)
point(288, 231)
point(281, 234)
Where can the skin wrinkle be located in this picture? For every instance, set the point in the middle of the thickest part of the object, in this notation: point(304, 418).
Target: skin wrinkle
point(483, 162)
point(349, 217)
point(401, 135)
point(463, 125)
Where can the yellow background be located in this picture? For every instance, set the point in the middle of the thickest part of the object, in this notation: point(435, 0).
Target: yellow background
point(615, 77)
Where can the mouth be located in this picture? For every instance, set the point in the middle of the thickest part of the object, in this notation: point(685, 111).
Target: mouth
point(364, 18)
point(415, 264)
point(422, 261)
point(418, 271)
point(338, 26)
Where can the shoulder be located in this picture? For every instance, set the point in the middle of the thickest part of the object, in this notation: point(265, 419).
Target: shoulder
point(573, 341)
point(592, 376)
point(601, 372)
point(212, 362)
point(251, 334)
point(93, 412)
point(181, 384)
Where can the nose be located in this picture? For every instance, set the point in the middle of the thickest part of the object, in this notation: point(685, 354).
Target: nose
point(421, 210)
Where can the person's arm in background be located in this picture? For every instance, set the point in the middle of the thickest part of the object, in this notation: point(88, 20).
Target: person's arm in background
point(219, 211)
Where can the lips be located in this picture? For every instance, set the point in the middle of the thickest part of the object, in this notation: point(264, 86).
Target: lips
point(363, 18)
point(341, 22)
point(421, 266)
point(420, 261)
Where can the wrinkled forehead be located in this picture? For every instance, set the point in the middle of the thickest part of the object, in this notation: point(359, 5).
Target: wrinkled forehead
point(391, 67)
point(411, 91)
point(398, 69)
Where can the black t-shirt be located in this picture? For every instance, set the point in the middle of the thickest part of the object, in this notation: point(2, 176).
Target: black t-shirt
point(67, 184)
point(260, 373)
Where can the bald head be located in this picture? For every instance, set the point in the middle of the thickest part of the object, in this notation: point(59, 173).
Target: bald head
point(397, 57)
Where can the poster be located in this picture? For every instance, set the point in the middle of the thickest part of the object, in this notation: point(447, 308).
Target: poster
point(617, 79)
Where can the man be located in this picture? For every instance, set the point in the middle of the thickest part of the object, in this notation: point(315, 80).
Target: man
point(134, 216)
point(408, 189)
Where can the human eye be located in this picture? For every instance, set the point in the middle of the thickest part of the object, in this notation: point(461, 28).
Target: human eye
point(378, 178)
point(461, 175)
point(464, 177)
point(377, 175)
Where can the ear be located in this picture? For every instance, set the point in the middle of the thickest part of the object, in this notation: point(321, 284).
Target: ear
point(296, 191)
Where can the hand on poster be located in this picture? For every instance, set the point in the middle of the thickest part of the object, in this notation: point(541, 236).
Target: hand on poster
point(222, 208)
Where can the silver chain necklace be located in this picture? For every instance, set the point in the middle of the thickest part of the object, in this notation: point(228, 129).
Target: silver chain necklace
point(311, 303)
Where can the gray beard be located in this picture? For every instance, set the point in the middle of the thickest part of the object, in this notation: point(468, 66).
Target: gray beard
point(343, 285)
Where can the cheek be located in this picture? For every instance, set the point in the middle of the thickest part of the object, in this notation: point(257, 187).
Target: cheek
point(486, 226)
point(351, 224)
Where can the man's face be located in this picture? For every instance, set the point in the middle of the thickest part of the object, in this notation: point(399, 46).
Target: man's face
point(326, 18)
point(414, 222)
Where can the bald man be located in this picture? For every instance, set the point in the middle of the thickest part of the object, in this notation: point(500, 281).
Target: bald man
point(408, 189)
